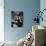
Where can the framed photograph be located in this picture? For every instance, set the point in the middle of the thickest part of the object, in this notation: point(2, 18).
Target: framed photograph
point(16, 18)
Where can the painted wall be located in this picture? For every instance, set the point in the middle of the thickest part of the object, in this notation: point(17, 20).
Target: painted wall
point(29, 7)
point(43, 6)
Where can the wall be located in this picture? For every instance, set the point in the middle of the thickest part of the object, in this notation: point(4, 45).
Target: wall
point(29, 7)
point(42, 6)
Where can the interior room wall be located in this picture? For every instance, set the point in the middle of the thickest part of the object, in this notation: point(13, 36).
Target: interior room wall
point(43, 6)
point(29, 7)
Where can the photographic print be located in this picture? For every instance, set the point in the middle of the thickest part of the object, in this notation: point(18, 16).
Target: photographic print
point(16, 18)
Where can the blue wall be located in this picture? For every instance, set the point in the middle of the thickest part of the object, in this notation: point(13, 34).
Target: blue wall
point(29, 7)
point(43, 6)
